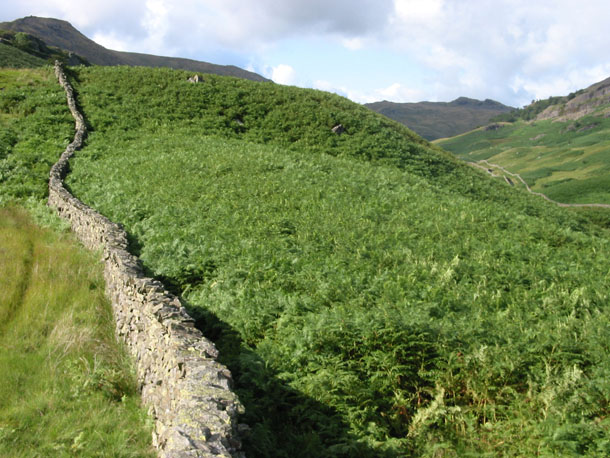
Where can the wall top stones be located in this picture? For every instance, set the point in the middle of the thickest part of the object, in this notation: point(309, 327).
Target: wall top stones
point(187, 391)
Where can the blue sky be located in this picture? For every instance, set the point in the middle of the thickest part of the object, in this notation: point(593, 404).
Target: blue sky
point(512, 51)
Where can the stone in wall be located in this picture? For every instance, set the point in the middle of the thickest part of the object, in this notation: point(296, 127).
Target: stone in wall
point(188, 392)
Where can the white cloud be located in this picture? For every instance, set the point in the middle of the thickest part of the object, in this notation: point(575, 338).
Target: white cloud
point(398, 93)
point(478, 48)
point(562, 84)
point(157, 23)
point(418, 10)
point(395, 92)
point(284, 74)
point(355, 95)
point(509, 50)
point(353, 44)
point(111, 41)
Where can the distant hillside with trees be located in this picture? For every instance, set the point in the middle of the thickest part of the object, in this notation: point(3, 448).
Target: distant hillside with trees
point(433, 120)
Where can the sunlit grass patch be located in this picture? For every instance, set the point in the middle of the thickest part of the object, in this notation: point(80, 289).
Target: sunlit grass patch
point(67, 387)
point(576, 150)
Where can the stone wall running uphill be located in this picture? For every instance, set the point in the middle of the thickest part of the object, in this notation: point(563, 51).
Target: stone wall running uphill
point(187, 391)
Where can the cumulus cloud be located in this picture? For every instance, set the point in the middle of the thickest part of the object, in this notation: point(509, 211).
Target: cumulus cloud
point(353, 44)
point(283, 74)
point(111, 41)
point(509, 50)
point(250, 26)
point(398, 93)
point(503, 49)
point(270, 18)
point(395, 92)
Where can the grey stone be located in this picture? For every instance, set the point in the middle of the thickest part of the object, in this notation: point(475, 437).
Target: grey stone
point(338, 129)
point(183, 385)
point(195, 79)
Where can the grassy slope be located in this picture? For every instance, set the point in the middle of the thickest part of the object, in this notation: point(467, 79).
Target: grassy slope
point(21, 50)
point(568, 161)
point(35, 128)
point(67, 388)
point(16, 58)
point(371, 295)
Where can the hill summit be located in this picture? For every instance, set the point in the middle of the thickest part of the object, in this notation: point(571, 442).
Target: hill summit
point(63, 35)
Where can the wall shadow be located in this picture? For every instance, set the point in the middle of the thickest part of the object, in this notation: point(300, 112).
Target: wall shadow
point(283, 422)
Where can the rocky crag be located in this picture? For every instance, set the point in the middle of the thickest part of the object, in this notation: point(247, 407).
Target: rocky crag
point(187, 391)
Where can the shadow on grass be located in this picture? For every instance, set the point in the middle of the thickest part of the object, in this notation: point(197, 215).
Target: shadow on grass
point(283, 422)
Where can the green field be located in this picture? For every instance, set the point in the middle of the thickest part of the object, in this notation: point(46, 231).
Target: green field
point(67, 388)
point(16, 58)
point(371, 295)
point(568, 161)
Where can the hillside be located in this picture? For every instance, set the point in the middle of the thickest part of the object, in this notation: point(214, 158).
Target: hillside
point(434, 120)
point(12, 57)
point(67, 386)
point(63, 35)
point(371, 295)
point(560, 146)
point(22, 50)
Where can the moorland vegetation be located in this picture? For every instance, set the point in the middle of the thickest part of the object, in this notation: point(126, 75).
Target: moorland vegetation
point(68, 388)
point(372, 295)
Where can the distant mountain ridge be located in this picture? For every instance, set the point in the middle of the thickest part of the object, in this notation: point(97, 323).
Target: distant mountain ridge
point(433, 120)
point(62, 34)
point(559, 146)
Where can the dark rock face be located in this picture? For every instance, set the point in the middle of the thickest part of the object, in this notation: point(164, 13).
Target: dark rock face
point(493, 127)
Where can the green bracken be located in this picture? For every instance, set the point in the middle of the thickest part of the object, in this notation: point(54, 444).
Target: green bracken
point(371, 295)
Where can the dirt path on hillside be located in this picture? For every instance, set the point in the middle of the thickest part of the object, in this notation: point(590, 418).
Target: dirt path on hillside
point(489, 169)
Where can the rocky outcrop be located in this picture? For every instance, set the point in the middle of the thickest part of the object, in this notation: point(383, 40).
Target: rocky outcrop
point(579, 104)
point(187, 391)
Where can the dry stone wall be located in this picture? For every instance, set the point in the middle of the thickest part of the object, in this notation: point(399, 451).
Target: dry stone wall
point(188, 392)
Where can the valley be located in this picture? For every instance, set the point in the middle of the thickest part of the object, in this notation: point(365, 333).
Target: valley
point(561, 151)
point(372, 294)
